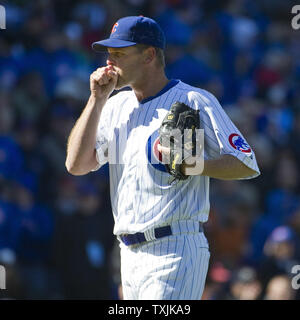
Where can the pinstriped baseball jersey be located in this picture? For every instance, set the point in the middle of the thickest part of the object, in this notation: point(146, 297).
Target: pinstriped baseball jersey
point(127, 138)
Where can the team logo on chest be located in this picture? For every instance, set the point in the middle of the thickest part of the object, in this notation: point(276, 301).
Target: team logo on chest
point(153, 155)
point(238, 143)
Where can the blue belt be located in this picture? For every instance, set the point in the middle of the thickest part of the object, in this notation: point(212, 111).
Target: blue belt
point(139, 237)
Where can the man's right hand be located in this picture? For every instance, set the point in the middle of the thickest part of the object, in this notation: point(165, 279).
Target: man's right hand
point(103, 82)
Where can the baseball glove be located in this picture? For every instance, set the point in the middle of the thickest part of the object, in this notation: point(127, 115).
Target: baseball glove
point(173, 134)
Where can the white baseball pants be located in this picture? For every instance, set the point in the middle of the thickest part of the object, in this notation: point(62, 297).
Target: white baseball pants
point(170, 268)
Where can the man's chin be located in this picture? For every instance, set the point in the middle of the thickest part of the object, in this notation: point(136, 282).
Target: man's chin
point(120, 85)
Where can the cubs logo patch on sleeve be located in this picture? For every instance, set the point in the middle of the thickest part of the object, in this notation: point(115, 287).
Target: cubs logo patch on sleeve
point(238, 143)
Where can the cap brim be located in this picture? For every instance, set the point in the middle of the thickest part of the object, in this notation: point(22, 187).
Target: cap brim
point(102, 45)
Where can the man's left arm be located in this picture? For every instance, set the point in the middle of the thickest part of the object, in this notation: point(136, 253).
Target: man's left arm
point(227, 167)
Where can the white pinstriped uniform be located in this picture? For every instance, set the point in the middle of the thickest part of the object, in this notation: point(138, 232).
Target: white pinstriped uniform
point(173, 267)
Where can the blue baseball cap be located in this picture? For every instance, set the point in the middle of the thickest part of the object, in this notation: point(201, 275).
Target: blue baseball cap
point(281, 234)
point(133, 30)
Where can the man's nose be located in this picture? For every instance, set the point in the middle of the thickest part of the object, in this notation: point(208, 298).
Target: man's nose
point(110, 61)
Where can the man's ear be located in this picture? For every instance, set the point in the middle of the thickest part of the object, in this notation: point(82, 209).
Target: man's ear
point(149, 55)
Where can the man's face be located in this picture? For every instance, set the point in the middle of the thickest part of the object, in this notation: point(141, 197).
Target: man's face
point(127, 62)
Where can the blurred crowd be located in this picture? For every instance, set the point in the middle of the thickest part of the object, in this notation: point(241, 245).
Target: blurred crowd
point(56, 237)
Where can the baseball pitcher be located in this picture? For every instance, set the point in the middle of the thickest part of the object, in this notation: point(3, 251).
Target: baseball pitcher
point(149, 135)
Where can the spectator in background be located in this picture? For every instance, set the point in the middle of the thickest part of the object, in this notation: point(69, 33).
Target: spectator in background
point(66, 196)
point(9, 67)
point(294, 139)
point(8, 227)
point(54, 142)
point(11, 157)
point(27, 136)
point(280, 202)
point(294, 223)
point(244, 285)
point(279, 288)
point(217, 282)
point(30, 99)
point(232, 213)
point(82, 246)
point(34, 227)
point(279, 255)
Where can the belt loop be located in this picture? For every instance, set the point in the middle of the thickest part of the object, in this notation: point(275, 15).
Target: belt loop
point(150, 234)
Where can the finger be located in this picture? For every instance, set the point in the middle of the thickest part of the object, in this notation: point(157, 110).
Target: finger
point(104, 79)
point(101, 70)
point(94, 77)
point(163, 150)
point(113, 75)
point(109, 68)
point(101, 79)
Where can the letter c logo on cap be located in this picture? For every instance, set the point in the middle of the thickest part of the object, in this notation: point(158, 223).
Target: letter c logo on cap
point(114, 28)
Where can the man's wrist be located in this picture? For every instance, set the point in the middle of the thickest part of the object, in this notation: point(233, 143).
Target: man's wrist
point(97, 101)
